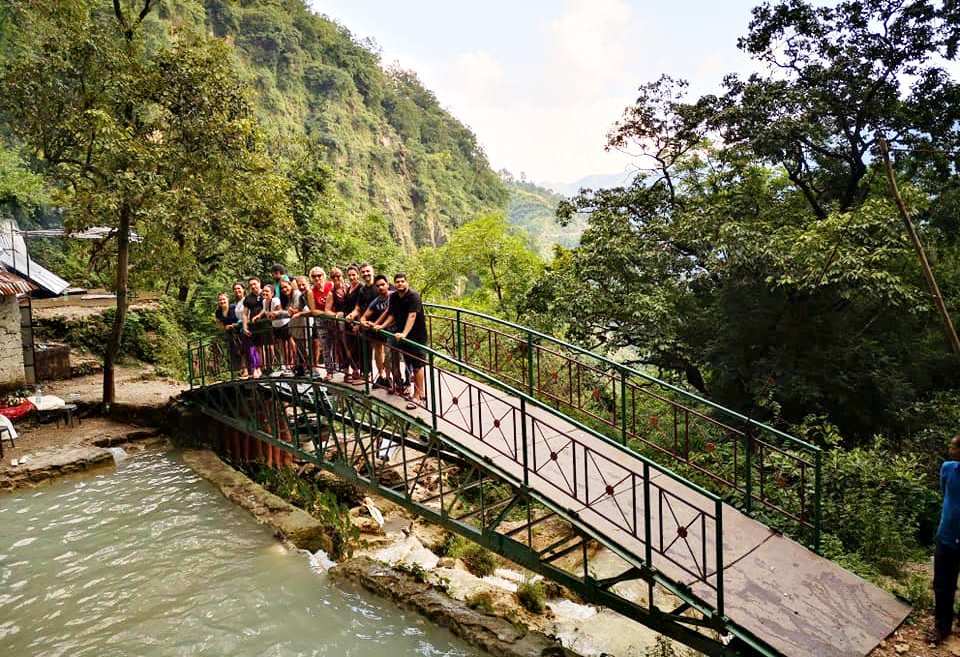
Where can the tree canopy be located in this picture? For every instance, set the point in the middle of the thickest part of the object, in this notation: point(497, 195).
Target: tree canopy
point(758, 255)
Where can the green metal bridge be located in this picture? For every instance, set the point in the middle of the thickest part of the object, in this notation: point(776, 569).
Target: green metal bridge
point(689, 503)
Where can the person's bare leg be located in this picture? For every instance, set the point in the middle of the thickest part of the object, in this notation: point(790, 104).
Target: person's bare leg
point(418, 384)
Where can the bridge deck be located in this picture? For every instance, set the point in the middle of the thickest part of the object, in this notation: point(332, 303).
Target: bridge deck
point(798, 602)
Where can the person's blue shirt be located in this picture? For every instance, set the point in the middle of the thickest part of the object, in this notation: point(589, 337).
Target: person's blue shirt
point(949, 531)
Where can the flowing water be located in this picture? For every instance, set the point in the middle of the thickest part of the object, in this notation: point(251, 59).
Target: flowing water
point(151, 561)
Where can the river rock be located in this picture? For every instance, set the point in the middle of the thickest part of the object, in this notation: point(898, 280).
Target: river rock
point(497, 636)
point(49, 463)
point(289, 522)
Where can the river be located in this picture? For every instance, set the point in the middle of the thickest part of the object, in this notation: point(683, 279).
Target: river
point(151, 561)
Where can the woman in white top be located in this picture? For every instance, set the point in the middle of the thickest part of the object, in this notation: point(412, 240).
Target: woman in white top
point(281, 309)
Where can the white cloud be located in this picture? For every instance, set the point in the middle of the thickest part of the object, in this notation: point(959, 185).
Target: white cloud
point(549, 117)
point(588, 43)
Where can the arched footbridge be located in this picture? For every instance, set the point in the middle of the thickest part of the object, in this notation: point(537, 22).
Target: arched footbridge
point(636, 494)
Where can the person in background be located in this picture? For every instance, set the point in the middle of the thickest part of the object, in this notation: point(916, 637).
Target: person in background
point(238, 294)
point(351, 331)
point(946, 555)
point(263, 326)
point(317, 302)
point(279, 273)
point(280, 313)
point(336, 304)
point(386, 373)
point(252, 305)
point(366, 293)
point(406, 311)
point(226, 317)
point(299, 327)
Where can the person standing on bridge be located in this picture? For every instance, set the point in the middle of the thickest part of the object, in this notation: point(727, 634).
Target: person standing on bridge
point(386, 376)
point(406, 311)
point(366, 293)
point(317, 302)
point(946, 555)
point(252, 305)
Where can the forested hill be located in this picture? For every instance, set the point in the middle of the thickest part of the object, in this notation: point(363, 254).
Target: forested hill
point(393, 149)
point(533, 209)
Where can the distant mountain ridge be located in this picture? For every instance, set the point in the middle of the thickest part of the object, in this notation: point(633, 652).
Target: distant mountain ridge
point(593, 181)
point(533, 209)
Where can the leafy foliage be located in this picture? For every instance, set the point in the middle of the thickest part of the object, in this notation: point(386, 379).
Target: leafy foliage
point(486, 265)
point(758, 257)
point(532, 595)
point(321, 504)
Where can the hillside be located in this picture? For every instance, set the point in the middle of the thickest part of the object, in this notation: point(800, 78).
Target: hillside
point(393, 149)
point(533, 209)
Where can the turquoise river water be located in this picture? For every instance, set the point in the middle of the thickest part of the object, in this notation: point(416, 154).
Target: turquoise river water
point(151, 561)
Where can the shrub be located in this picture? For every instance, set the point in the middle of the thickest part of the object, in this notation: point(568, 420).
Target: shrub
point(478, 561)
point(873, 502)
point(532, 595)
point(321, 504)
point(481, 601)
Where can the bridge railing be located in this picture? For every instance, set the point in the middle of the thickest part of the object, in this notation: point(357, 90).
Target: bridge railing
point(764, 471)
point(677, 524)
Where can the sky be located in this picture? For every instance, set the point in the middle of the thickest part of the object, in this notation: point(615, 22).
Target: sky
point(541, 82)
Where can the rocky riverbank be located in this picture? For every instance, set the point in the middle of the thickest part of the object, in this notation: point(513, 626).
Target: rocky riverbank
point(288, 522)
point(49, 452)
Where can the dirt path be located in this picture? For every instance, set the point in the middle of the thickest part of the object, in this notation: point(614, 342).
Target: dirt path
point(138, 385)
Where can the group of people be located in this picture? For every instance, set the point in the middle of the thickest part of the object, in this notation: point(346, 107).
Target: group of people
point(300, 325)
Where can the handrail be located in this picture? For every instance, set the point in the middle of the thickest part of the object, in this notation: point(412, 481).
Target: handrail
point(759, 451)
point(637, 466)
point(635, 372)
point(530, 400)
point(757, 468)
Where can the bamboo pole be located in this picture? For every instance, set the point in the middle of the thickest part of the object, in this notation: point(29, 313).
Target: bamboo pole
point(948, 327)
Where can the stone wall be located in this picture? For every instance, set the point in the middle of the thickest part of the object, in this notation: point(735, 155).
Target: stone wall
point(11, 345)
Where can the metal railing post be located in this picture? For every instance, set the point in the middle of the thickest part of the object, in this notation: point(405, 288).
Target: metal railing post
point(365, 367)
point(308, 336)
point(433, 390)
point(203, 367)
point(530, 386)
point(623, 405)
point(748, 462)
point(459, 341)
point(817, 505)
point(647, 522)
point(718, 505)
point(523, 436)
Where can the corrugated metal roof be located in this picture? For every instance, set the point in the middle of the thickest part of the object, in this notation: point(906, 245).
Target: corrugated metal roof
point(92, 233)
point(14, 257)
point(11, 285)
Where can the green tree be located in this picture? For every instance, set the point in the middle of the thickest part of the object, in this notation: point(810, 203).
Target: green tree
point(138, 133)
point(769, 269)
point(486, 263)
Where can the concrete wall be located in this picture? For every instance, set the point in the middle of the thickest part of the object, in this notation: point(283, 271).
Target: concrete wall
point(11, 345)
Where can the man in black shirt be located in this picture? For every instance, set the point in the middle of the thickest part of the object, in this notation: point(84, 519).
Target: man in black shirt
point(406, 312)
point(366, 293)
point(252, 305)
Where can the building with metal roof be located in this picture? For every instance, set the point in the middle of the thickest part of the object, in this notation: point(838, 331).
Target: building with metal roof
point(12, 285)
point(14, 257)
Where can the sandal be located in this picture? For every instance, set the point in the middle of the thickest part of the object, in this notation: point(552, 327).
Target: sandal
point(410, 405)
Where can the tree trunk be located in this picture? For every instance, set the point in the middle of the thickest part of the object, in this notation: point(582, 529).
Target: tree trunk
point(183, 293)
point(120, 318)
